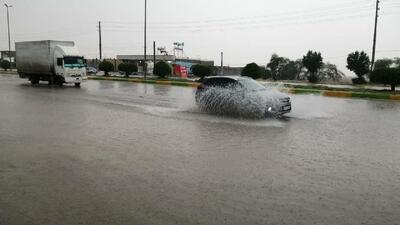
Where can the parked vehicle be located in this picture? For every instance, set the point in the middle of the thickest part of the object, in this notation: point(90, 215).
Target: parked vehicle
point(53, 61)
point(241, 96)
point(91, 70)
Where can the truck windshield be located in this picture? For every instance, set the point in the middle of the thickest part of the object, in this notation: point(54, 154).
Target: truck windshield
point(73, 62)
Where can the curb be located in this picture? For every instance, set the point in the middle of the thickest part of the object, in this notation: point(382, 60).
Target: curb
point(343, 94)
point(8, 73)
point(337, 94)
point(160, 82)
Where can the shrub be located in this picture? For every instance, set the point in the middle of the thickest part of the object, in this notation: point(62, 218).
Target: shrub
point(388, 76)
point(252, 70)
point(106, 67)
point(383, 64)
point(5, 64)
point(201, 71)
point(290, 70)
point(313, 78)
point(265, 73)
point(358, 80)
point(127, 68)
point(359, 63)
point(276, 64)
point(330, 72)
point(162, 69)
point(313, 62)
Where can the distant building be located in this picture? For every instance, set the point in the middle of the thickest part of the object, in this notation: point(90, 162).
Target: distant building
point(184, 64)
point(228, 71)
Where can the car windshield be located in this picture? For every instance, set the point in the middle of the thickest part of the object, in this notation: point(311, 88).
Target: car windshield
point(251, 85)
point(73, 62)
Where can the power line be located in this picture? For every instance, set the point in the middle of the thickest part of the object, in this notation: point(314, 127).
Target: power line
point(234, 25)
point(294, 21)
point(326, 8)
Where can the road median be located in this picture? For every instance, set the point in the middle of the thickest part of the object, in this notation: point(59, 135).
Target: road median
point(149, 81)
point(293, 90)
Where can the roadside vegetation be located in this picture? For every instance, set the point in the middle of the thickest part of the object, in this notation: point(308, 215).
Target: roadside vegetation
point(252, 70)
point(386, 72)
point(201, 71)
point(127, 68)
point(5, 64)
point(162, 69)
point(310, 68)
point(106, 66)
point(359, 63)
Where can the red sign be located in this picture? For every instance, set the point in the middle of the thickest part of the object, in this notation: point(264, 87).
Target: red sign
point(180, 71)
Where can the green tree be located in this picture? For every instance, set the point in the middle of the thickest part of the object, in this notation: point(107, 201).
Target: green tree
point(387, 76)
point(276, 64)
point(359, 63)
point(290, 70)
point(5, 64)
point(162, 69)
point(106, 66)
point(313, 62)
point(396, 62)
point(383, 63)
point(252, 70)
point(265, 73)
point(201, 71)
point(330, 72)
point(127, 68)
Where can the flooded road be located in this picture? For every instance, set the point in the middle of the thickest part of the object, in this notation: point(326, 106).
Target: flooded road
point(125, 153)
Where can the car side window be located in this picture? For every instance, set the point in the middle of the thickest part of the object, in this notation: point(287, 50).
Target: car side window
point(228, 83)
point(211, 82)
point(220, 82)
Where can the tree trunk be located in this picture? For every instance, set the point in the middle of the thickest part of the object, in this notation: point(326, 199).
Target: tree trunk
point(393, 88)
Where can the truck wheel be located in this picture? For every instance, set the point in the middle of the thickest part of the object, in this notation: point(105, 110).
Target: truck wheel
point(77, 84)
point(59, 82)
point(34, 81)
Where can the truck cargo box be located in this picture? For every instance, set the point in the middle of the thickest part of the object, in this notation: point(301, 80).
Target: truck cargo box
point(37, 57)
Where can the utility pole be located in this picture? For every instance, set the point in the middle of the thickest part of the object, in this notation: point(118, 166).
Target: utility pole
point(100, 47)
point(154, 53)
point(375, 31)
point(145, 40)
point(222, 63)
point(9, 36)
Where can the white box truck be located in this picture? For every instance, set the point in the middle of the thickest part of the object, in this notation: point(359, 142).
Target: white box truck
point(57, 62)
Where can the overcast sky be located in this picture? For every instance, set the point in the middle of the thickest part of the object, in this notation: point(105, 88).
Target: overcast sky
point(246, 31)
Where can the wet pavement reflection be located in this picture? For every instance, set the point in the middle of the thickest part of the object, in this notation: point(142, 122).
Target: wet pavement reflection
point(126, 153)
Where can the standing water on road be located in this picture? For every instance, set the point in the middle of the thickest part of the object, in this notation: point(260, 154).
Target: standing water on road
point(123, 153)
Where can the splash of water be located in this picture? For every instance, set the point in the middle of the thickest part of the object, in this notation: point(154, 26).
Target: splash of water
point(243, 103)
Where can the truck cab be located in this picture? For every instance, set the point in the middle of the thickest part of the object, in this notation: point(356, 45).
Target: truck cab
point(69, 65)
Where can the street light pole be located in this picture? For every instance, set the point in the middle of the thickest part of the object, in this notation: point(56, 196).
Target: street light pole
point(9, 36)
point(100, 44)
point(222, 63)
point(145, 39)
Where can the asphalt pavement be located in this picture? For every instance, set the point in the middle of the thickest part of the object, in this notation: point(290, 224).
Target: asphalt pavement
point(125, 153)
